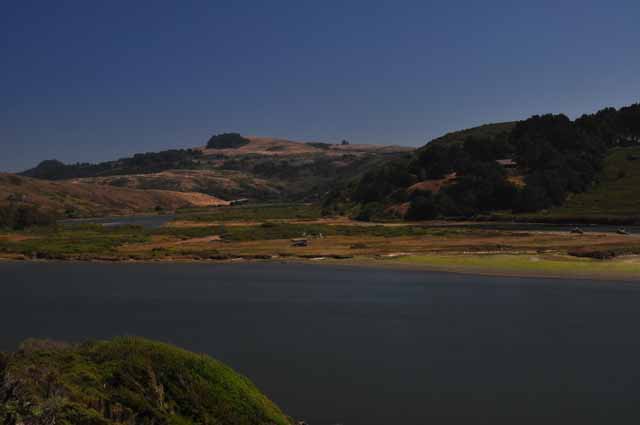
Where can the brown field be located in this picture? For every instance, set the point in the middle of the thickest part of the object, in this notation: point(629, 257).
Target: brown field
point(371, 246)
point(457, 249)
point(478, 252)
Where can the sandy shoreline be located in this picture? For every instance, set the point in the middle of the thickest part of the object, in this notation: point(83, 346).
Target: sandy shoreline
point(369, 263)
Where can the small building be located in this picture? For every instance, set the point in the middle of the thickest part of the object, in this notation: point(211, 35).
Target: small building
point(240, 201)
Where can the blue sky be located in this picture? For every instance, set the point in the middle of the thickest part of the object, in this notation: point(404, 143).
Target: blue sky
point(96, 80)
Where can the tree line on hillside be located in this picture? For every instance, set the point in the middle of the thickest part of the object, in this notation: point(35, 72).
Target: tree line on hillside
point(556, 155)
point(18, 217)
point(227, 141)
point(140, 163)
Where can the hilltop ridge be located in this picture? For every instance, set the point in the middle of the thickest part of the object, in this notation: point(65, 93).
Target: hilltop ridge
point(232, 166)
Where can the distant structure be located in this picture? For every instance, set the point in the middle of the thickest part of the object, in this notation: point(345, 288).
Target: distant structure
point(299, 242)
point(344, 142)
point(240, 201)
point(507, 163)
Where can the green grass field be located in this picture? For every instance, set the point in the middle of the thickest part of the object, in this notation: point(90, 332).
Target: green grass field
point(60, 242)
point(523, 265)
point(90, 240)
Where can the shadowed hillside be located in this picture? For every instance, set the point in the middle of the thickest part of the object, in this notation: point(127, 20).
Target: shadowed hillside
point(534, 165)
point(615, 196)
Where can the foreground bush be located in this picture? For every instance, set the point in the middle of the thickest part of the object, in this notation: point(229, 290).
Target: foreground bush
point(126, 381)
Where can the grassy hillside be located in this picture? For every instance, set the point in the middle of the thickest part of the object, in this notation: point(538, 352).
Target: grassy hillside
point(126, 381)
point(615, 195)
point(66, 198)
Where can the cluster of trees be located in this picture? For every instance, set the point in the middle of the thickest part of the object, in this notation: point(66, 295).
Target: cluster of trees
point(557, 156)
point(560, 156)
point(436, 161)
point(387, 181)
point(480, 184)
point(227, 141)
point(481, 189)
point(564, 157)
point(615, 127)
point(140, 163)
point(18, 217)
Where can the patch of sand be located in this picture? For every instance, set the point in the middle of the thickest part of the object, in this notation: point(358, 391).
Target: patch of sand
point(433, 186)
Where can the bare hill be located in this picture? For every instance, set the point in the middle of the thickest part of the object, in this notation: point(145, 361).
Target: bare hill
point(83, 199)
point(270, 146)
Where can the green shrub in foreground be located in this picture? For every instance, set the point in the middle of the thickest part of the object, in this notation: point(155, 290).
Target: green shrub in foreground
point(127, 380)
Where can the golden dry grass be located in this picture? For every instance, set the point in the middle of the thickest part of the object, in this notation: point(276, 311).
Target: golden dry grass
point(223, 181)
point(433, 186)
point(94, 199)
point(270, 146)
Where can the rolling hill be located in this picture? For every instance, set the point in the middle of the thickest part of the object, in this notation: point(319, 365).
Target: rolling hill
point(545, 165)
point(257, 168)
point(68, 198)
point(485, 131)
point(226, 184)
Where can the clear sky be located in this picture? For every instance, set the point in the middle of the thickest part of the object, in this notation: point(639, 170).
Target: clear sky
point(95, 80)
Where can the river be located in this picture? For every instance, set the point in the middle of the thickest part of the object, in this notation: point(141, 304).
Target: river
point(361, 346)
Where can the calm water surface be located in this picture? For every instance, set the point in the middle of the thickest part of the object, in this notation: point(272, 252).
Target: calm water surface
point(361, 346)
